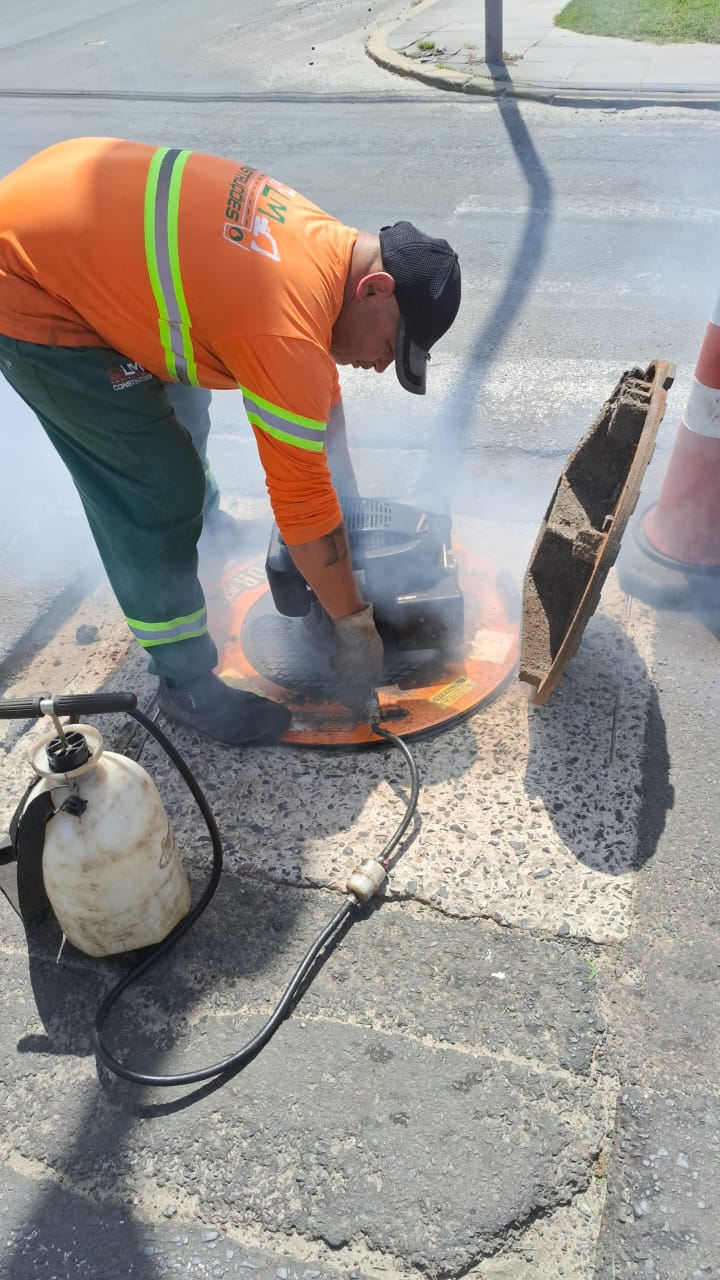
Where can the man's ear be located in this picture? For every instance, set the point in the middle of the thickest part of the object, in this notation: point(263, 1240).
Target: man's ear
point(374, 283)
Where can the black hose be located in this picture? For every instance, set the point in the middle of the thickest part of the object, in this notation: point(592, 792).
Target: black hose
point(230, 1065)
point(394, 840)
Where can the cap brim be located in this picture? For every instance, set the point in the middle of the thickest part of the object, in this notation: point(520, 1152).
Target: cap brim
point(410, 362)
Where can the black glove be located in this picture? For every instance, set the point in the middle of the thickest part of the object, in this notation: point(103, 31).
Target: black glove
point(358, 657)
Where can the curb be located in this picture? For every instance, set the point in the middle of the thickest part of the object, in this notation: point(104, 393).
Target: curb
point(474, 85)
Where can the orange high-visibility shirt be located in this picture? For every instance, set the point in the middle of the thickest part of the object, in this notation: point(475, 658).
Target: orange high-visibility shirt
point(199, 268)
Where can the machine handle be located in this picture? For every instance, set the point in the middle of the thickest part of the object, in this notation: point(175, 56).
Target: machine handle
point(390, 516)
point(382, 515)
point(74, 704)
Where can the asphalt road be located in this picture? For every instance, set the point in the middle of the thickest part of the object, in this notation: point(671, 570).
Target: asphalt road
point(589, 241)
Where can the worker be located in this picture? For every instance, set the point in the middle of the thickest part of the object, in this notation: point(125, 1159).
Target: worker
point(133, 280)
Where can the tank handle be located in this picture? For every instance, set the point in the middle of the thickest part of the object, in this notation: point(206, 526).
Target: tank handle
point(72, 704)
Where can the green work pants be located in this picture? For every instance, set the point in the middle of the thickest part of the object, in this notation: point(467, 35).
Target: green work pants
point(192, 408)
point(126, 438)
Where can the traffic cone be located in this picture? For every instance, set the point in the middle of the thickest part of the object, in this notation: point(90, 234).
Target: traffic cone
point(678, 539)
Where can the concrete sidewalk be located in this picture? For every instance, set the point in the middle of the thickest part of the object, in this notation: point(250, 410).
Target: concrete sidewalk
point(540, 60)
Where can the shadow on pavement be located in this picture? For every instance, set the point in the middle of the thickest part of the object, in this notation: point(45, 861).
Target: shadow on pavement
point(200, 1004)
point(598, 755)
point(452, 434)
point(67, 1236)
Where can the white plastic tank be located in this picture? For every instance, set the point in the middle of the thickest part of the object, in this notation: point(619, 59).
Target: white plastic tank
point(112, 873)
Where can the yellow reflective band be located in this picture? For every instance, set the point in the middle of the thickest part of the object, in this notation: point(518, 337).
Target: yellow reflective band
point(184, 628)
point(282, 424)
point(161, 212)
point(174, 253)
point(151, 247)
point(313, 424)
point(314, 446)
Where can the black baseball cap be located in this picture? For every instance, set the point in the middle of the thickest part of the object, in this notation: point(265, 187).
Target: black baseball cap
point(426, 272)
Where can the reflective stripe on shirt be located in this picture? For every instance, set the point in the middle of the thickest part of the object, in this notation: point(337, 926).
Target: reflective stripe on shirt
point(162, 202)
point(304, 433)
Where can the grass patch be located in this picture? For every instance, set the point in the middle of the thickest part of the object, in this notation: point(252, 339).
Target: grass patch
point(660, 21)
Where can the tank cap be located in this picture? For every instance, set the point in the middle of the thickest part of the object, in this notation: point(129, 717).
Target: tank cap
point(67, 755)
point(51, 758)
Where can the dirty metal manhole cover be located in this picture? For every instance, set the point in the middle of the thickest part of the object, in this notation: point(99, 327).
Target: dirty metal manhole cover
point(580, 536)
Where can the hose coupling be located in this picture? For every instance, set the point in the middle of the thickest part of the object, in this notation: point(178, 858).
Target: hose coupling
point(372, 710)
point(367, 879)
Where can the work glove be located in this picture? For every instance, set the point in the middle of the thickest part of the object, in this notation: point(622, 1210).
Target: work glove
point(358, 657)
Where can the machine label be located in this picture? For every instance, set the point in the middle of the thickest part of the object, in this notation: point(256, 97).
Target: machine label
point(453, 692)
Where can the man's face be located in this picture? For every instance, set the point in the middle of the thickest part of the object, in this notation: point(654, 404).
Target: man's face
point(367, 336)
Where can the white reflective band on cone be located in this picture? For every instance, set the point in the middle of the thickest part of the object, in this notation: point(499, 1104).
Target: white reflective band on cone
point(702, 411)
point(715, 317)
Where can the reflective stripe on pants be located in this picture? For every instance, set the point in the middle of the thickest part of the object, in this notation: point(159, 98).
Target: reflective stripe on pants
point(140, 480)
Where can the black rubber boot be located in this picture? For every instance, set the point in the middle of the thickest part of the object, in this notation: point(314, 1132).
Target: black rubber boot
point(209, 706)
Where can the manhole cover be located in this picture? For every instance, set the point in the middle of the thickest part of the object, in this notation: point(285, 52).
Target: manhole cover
point(580, 536)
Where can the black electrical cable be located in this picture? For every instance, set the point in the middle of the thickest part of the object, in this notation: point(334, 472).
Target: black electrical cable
point(237, 1060)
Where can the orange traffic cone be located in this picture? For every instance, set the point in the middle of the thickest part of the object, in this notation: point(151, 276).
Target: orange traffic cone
point(681, 533)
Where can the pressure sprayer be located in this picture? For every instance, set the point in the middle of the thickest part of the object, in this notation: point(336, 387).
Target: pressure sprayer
point(93, 843)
